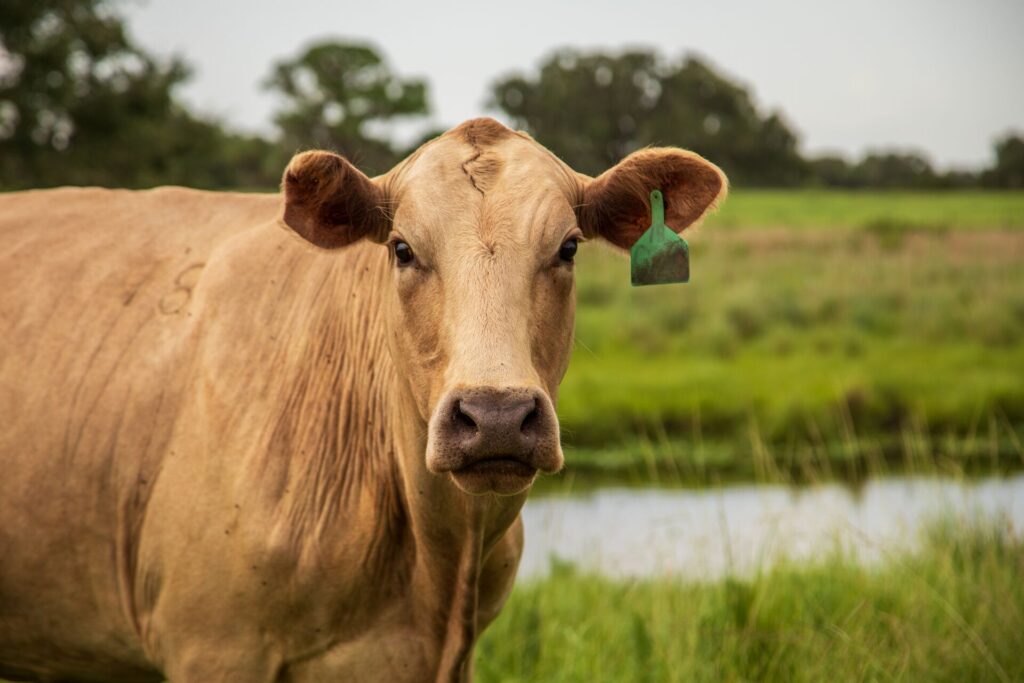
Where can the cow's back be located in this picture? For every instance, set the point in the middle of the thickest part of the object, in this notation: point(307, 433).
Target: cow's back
point(96, 312)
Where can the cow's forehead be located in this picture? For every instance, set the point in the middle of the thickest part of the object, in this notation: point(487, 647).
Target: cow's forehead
point(503, 184)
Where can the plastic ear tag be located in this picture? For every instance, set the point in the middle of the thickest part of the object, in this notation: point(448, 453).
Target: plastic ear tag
point(660, 256)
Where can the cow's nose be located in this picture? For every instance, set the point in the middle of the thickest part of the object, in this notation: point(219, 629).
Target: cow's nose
point(472, 425)
point(498, 423)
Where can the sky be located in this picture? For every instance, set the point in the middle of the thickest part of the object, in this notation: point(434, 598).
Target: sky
point(936, 76)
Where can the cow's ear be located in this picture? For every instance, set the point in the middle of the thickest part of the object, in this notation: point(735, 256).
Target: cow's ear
point(331, 203)
point(616, 205)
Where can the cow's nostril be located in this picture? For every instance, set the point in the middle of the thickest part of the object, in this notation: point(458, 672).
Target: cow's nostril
point(530, 421)
point(461, 419)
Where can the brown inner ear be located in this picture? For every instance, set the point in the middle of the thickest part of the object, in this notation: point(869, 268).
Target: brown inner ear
point(616, 205)
point(330, 203)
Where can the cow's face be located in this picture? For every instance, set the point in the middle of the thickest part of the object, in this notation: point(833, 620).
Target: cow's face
point(482, 226)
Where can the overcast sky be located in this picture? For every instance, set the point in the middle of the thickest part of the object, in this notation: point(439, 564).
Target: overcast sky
point(937, 76)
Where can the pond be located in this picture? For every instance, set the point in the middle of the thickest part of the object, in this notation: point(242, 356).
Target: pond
point(706, 533)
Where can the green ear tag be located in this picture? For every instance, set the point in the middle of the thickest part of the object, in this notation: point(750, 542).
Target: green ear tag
point(660, 256)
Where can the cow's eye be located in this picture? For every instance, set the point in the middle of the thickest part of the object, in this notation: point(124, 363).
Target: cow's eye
point(568, 250)
point(403, 252)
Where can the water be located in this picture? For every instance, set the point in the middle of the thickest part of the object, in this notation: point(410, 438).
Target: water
point(703, 534)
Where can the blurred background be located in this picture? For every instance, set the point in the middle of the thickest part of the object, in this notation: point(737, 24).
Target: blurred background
point(803, 465)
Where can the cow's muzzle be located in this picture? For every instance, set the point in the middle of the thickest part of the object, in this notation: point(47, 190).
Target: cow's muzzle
point(494, 439)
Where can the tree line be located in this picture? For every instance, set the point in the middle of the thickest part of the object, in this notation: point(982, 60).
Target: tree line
point(82, 103)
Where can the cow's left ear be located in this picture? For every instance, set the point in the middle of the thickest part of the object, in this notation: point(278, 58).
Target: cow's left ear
point(331, 203)
point(616, 205)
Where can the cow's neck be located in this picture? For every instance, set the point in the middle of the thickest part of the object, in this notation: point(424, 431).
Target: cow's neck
point(356, 450)
point(455, 534)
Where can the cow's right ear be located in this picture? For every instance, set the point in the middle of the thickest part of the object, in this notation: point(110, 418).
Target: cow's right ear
point(331, 203)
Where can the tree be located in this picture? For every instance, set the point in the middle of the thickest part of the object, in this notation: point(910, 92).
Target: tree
point(889, 169)
point(718, 119)
point(81, 104)
point(832, 170)
point(593, 109)
point(584, 107)
point(895, 170)
point(1008, 171)
point(337, 94)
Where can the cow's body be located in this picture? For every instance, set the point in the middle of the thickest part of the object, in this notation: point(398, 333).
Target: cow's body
point(228, 456)
point(180, 449)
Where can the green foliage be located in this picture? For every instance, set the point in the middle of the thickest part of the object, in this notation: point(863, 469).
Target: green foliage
point(894, 169)
point(80, 103)
point(594, 108)
point(1008, 171)
point(583, 107)
point(336, 93)
point(952, 611)
point(883, 170)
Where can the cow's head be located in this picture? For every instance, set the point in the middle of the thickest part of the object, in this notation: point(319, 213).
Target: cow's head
point(482, 226)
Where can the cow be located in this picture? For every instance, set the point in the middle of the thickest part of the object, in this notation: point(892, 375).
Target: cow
point(287, 437)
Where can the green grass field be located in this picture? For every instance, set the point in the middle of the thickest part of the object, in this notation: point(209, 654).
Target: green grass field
point(954, 611)
point(808, 343)
point(968, 209)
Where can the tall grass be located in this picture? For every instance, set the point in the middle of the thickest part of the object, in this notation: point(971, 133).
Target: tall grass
point(993, 447)
point(953, 611)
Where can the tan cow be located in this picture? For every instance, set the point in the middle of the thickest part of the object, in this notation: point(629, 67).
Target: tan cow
point(226, 455)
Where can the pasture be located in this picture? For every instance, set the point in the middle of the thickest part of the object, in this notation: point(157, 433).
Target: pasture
point(844, 348)
point(829, 209)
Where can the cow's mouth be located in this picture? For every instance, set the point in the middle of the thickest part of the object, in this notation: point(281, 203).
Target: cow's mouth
point(500, 474)
point(500, 465)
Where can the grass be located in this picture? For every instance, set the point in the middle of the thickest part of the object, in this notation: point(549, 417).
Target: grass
point(968, 209)
point(952, 611)
point(807, 340)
